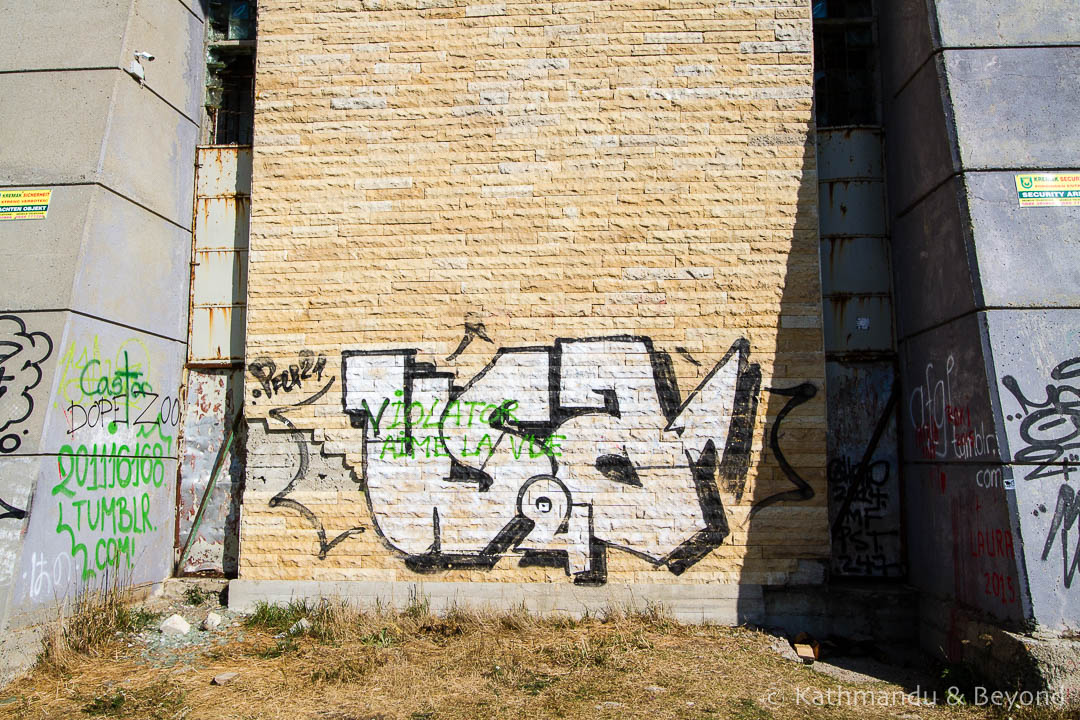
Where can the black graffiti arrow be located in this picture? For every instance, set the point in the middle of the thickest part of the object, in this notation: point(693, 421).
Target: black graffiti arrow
point(282, 499)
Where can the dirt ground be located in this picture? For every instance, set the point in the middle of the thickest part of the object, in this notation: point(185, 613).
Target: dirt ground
point(330, 662)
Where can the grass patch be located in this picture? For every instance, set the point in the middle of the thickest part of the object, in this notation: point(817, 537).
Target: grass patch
point(105, 704)
point(195, 595)
point(744, 709)
point(381, 639)
point(283, 646)
point(96, 621)
point(351, 664)
point(349, 669)
point(277, 618)
point(158, 701)
point(536, 683)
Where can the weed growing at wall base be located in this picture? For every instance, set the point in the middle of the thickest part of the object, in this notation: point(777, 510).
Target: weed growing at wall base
point(98, 617)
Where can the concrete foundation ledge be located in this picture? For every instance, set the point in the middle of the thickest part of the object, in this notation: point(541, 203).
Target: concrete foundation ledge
point(1006, 659)
point(720, 604)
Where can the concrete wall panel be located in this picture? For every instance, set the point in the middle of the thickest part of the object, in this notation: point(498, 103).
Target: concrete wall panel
point(906, 33)
point(918, 144)
point(1027, 257)
point(30, 32)
point(104, 499)
point(49, 250)
point(1037, 356)
point(947, 415)
point(174, 35)
point(149, 154)
point(34, 341)
point(134, 268)
point(149, 148)
point(54, 124)
point(931, 265)
point(126, 533)
point(16, 489)
point(961, 540)
point(987, 23)
point(1015, 107)
point(110, 379)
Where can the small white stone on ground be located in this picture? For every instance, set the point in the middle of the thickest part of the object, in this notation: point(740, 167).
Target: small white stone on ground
point(224, 678)
point(212, 621)
point(300, 626)
point(655, 689)
point(609, 705)
point(175, 625)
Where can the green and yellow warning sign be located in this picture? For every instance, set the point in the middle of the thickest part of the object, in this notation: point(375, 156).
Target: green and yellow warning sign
point(1045, 190)
point(24, 204)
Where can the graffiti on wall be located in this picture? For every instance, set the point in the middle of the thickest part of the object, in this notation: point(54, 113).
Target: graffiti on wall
point(303, 465)
point(803, 491)
point(557, 453)
point(864, 528)
point(1050, 430)
point(943, 427)
point(273, 381)
point(1050, 427)
point(111, 471)
point(21, 356)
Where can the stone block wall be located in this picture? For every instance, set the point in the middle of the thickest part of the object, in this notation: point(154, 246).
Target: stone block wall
point(534, 295)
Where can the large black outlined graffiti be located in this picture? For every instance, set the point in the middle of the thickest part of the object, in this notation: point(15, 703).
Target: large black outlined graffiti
point(282, 499)
point(862, 495)
point(1051, 428)
point(579, 446)
point(21, 356)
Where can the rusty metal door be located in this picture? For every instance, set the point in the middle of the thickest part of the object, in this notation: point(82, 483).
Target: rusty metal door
point(219, 266)
point(212, 466)
point(860, 356)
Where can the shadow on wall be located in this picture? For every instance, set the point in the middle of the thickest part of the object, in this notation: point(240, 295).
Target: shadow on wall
point(787, 525)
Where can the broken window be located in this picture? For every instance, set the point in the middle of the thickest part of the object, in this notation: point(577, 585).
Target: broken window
point(845, 63)
point(230, 72)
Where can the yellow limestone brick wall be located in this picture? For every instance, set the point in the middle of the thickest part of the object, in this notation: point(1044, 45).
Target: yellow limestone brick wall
point(528, 174)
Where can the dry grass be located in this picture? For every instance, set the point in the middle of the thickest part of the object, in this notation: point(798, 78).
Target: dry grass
point(95, 621)
point(418, 665)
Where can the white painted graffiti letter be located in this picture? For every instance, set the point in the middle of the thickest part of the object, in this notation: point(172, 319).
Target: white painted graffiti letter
point(553, 453)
